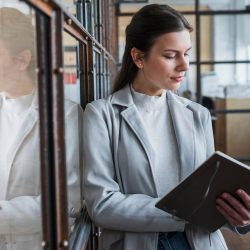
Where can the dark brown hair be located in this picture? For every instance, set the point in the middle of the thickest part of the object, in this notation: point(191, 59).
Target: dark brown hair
point(146, 26)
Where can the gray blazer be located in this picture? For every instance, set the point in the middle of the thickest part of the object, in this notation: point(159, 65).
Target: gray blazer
point(119, 172)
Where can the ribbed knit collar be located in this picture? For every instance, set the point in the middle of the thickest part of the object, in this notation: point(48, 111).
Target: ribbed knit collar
point(149, 103)
point(16, 106)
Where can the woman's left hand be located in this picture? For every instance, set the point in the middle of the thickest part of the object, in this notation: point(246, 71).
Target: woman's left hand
point(237, 213)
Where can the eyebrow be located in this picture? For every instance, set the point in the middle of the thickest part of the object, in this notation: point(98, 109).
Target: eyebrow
point(176, 51)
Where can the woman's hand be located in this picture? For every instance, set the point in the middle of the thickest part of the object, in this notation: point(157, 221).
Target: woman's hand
point(237, 213)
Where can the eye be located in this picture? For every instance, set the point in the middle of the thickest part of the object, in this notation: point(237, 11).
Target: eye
point(186, 55)
point(169, 56)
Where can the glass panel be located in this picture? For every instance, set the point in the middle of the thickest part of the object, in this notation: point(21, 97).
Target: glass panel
point(123, 22)
point(226, 37)
point(189, 5)
point(225, 4)
point(232, 131)
point(102, 77)
point(97, 74)
point(95, 7)
point(80, 12)
point(87, 16)
point(71, 78)
point(182, 6)
point(206, 37)
point(226, 80)
point(188, 85)
point(73, 118)
point(70, 5)
point(97, 19)
point(106, 77)
point(20, 194)
point(186, 5)
point(192, 52)
point(130, 7)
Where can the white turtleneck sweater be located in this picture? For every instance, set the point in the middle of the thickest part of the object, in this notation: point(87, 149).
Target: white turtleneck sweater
point(156, 119)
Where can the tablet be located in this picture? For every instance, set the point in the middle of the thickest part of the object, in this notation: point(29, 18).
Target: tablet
point(194, 199)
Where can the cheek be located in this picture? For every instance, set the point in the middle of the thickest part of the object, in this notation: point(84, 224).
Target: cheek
point(162, 68)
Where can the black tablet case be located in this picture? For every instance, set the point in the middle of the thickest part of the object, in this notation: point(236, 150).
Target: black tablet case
point(194, 198)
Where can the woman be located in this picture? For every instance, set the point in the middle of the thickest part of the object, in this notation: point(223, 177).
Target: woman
point(142, 140)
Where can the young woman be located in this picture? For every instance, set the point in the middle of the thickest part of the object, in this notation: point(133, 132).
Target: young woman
point(142, 140)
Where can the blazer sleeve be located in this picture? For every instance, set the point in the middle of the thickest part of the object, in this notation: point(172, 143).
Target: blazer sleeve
point(22, 214)
point(107, 205)
point(73, 126)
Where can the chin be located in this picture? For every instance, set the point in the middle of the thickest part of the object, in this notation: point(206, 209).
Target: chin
point(172, 88)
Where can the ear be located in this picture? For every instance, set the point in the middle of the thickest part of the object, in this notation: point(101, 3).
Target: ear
point(23, 59)
point(137, 57)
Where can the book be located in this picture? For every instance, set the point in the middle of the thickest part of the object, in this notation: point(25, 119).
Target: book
point(194, 199)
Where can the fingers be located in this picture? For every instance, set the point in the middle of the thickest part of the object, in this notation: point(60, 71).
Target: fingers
point(227, 216)
point(245, 197)
point(233, 210)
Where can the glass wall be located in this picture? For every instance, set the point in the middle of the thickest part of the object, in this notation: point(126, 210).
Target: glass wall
point(20, 189)
point(73, 126)
point(44, 83)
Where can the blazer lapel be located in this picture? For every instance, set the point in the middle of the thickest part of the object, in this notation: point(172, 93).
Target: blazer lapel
point(183, 124)
point(131, 116)
point(25, 128)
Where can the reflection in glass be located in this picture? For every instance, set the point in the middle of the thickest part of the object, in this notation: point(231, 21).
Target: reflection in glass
point(20, 213)
point(71, 76)
point(87, 16)
point(97, 74)
point(70, 5)
point(106, 77)
point(73, 125)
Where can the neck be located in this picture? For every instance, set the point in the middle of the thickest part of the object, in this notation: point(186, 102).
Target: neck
point(140, 85)
point(15, 90)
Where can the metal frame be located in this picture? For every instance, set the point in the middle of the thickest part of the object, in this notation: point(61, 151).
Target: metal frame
point(46, 148)
point(52, 19)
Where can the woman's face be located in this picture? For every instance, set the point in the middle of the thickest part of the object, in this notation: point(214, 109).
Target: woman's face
point(6, 67)
point(14, 76)
point(166, 63)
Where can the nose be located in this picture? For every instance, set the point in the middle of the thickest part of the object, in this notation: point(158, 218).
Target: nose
point(183, 63)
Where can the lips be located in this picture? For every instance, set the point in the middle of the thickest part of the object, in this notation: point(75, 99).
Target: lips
point(177, 78)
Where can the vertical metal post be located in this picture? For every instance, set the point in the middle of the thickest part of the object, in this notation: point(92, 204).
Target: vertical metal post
point(58, 129)
point(198, 52)
point(46, 134)
point(51, 105)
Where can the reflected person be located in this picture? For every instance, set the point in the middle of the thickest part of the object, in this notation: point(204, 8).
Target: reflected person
point(20, 200)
